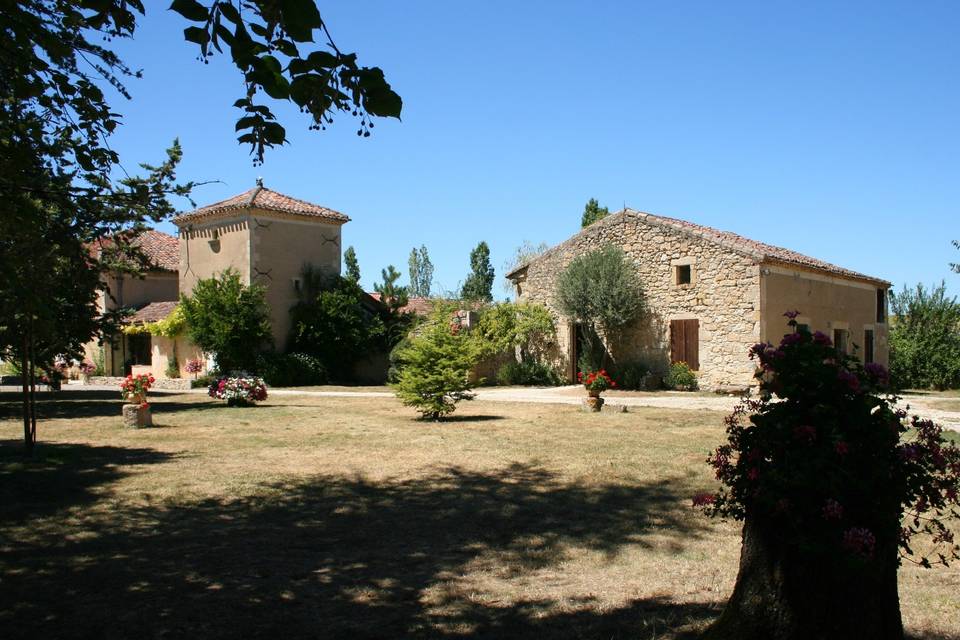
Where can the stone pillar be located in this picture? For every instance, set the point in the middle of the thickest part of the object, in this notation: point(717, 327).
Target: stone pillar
point(137, 416)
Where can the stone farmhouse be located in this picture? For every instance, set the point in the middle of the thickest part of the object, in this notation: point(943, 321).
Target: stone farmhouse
point(712, 294)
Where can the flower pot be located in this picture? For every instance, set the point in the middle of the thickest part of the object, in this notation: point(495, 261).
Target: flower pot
point(137, 416)
point(592, 393)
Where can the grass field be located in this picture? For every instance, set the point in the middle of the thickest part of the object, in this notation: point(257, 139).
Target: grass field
point(347, 518)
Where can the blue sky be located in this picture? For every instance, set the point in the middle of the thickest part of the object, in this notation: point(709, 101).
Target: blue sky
point(829, 128)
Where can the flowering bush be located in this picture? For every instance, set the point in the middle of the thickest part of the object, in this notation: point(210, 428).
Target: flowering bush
point(239, 391)
point(194, 366)
point(596, 380)
point(824, 459)
point(87, 368)
point(134, 388)
point(680, 377)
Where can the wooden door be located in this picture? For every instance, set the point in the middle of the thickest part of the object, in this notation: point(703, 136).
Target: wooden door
point(685, 342)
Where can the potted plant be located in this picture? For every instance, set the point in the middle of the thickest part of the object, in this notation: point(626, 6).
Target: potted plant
point(239, 390)
point(595, 382)
point(194, 366)
point(86, 370)
point(136, 411)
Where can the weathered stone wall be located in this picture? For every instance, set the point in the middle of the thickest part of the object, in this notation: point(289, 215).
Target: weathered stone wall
point(724, 295)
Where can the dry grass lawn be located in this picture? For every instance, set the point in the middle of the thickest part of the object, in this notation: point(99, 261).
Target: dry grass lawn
point(347, 518)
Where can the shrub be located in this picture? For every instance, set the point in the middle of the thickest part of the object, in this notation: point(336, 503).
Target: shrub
point(203, 381)
point(291, 370)
point(831, 481)
point(331, 323)
point(173, 367)
point(528, 373)
point(194, 366)
point(925, 339)
point(680, 377)
point(229, 319)
point(632, 376)
point(434, 368)
point(513, 325)
point(239, 391)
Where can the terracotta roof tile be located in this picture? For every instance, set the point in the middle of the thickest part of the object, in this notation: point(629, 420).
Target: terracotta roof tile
point(262, 198)
point(416, 306)
point(153, 312)
point(162, 249)
point(761, 251)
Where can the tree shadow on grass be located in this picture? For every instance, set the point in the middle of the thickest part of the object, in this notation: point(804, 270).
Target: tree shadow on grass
point(60, 476)
point(335, 557)
point(91, 404)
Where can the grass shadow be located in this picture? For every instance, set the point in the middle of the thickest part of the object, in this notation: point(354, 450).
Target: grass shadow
point(339, 557)
point(91, 404)
point(61, 476)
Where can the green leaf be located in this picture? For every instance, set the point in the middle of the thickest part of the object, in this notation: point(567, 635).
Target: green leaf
point(299, 18)
point(191, 10)
point(196, 34)
point(229, 11)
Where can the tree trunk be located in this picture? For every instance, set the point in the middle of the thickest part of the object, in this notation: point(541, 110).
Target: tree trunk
point(784, 595)
point(25, 384)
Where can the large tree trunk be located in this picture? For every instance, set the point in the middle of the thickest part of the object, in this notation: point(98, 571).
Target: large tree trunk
point(782, 594)
point(25, 384)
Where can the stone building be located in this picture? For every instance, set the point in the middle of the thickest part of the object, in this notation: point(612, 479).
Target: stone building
point(712, 294)
point(267, 238)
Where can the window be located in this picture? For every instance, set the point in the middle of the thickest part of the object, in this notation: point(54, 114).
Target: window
point(803, 328)
point(296, 284)
point(881, 306)
point(683, 273)
point(867, 346)
point(840, 340)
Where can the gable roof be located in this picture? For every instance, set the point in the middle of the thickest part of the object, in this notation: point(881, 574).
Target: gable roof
point(760, 251)
point(262, 198)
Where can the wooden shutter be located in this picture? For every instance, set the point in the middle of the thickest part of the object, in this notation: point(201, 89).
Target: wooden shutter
point(685, 342)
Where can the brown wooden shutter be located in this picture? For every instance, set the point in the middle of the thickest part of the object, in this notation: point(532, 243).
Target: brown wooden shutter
point(676, 341)
point(691, 336)
point(685, 342)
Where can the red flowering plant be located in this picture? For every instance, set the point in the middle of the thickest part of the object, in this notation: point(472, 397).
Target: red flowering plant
point(134, 388)
point(596, 381)
point(824, 459)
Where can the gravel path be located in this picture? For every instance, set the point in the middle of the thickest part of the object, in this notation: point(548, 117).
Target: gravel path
point(926, 406)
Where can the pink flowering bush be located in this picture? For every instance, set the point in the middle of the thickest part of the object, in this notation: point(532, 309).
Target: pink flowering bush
point(194, 366)
point(823, 459)
point(239, 391)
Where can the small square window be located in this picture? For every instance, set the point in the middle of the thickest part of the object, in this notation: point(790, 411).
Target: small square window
point(683, 273)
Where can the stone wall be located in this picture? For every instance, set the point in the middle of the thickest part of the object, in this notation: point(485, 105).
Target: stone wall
point(724, 295)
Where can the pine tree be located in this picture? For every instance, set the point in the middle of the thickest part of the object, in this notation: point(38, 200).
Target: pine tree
point(351, 264)
point(479, 284)
point(593, 212)
point(392, 296)
point(435, 367)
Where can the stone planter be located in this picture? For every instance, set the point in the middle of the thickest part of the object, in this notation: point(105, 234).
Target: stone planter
point(137, 416)
point(593, 403)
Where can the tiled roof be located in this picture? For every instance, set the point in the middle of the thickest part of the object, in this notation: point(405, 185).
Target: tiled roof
point(416, 306)
point(262, 198)
point(161, 249)
point(761, 251)
point(153, 312)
